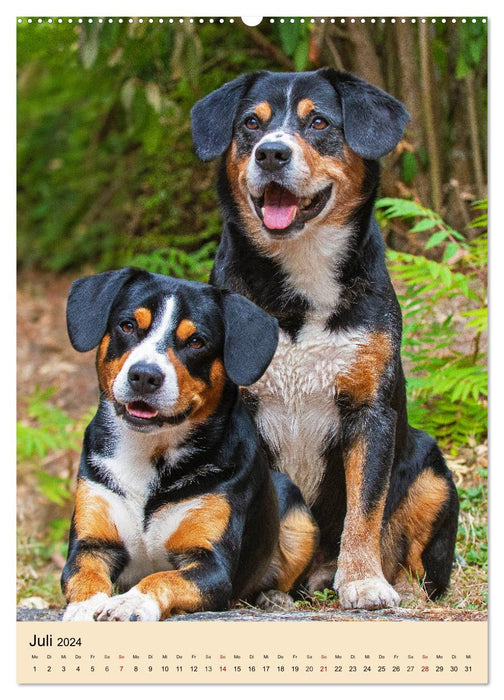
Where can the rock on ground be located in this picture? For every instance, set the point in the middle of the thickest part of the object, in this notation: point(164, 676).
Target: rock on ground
point(251, 615)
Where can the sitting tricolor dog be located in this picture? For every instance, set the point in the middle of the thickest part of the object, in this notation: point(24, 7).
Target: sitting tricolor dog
point(297, 183)
point(175, 504)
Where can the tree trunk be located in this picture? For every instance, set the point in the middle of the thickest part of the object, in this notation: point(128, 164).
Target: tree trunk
point(411, 95)
point(430, 131)
point(366, 62)
point(473, 131)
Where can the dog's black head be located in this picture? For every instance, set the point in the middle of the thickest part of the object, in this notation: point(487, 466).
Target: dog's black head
point(296, 144)
point(167, 346)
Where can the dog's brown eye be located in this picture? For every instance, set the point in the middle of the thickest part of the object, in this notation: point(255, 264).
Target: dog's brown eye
point(127, 326)
point(195, 342)
point(252, 123)
point(319, 123)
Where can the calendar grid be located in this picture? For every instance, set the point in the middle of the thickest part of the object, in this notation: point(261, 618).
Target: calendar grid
point(216, 652)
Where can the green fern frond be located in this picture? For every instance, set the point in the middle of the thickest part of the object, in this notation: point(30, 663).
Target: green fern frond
point(447, 389)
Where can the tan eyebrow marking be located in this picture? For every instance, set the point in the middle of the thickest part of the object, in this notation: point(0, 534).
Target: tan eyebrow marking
point(305, 107)
point(263, 111)
point(143, 317)
point(185, 330)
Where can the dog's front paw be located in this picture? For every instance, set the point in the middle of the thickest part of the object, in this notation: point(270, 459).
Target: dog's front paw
point(369, 594)
point(85, 610)
point(130, 606)
point(274, 600)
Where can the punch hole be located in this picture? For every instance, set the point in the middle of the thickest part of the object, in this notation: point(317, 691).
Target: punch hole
point(251, 21)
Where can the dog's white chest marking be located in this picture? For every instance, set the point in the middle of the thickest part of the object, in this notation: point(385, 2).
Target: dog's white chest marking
point(133, 472)
point(310, 263)
point(297, 414)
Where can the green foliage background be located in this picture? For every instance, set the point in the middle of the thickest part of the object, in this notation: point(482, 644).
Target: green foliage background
point(106, 170)
point(107, 173)
point(445, 321)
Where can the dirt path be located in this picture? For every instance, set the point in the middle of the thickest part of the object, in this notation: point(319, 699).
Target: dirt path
point(45, 356)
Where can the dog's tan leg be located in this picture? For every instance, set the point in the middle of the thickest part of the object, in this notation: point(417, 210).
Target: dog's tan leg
point(200, 582)
point(410, 529)
point(359, 580)
point(96, 552)
point(297, 542)
point(155, 597)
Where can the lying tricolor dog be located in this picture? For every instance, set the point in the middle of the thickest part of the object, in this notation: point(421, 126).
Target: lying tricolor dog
point(175, 504)
point(297, 185)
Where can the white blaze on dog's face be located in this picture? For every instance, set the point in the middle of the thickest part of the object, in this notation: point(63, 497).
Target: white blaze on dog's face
point(148, 371)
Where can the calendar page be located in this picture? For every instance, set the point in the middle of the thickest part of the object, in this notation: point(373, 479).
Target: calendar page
point(252, 350)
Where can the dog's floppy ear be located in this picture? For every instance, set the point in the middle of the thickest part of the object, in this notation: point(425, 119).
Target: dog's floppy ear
point(89, 303)
point(251, 338)
point(212, 117)
point(373, 120)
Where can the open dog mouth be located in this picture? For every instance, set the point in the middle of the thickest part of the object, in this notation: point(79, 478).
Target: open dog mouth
point(141, 414)
point(281, 210)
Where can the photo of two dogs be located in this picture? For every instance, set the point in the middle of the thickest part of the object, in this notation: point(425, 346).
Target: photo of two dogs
point(251, 440)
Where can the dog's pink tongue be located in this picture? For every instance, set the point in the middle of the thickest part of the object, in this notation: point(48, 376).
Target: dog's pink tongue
point(280, 207)
point(139, 409)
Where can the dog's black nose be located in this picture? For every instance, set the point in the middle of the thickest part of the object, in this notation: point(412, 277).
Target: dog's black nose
point(145, 378)
point(272, 155)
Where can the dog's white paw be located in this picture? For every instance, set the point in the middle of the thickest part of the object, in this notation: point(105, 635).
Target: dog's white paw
point(369, 594)
point(130, 606)
point(85, 610)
